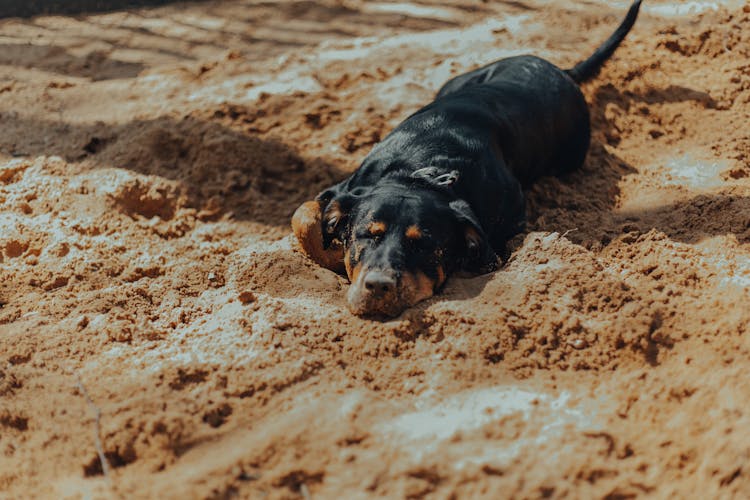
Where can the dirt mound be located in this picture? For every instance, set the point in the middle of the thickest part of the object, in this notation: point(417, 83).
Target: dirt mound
point(161, 335)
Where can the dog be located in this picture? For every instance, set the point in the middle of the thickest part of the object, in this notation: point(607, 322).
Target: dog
point(443, 192)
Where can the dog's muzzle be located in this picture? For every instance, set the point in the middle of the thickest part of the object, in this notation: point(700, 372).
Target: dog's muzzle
point(376, 292)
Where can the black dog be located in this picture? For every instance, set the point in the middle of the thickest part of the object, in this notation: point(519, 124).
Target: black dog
point(443, 191)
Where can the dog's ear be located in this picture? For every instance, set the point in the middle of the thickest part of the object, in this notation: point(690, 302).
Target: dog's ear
point(436, 176)
point(476, 255)
point(307, 227)
point(318, 226)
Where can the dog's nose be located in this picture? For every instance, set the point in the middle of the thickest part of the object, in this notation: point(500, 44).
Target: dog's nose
point(380, 284)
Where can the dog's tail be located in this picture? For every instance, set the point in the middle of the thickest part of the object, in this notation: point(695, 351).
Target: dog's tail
point(590, 67)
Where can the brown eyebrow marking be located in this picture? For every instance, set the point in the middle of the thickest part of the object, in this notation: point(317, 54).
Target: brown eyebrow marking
point(377, 228)
point(413, 232)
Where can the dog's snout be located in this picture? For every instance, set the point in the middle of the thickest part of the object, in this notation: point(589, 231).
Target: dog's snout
point(376, 292)
point(380, 284)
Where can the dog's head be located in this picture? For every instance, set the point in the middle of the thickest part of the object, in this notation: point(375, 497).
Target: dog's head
point(401, 240)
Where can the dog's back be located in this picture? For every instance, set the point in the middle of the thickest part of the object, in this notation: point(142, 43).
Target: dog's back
point(536, 112)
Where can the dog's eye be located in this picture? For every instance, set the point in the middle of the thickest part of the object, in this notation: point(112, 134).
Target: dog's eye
point(368, 236)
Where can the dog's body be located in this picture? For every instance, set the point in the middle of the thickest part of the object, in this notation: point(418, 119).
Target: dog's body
point(526, 120)
point(451, 175)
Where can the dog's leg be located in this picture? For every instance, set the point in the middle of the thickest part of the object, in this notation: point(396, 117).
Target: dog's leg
point(308, 228)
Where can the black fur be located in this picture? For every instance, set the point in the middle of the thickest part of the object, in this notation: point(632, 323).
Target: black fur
point(457, 166)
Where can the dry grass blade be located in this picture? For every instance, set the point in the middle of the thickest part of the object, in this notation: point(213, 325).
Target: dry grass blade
point(97, 423)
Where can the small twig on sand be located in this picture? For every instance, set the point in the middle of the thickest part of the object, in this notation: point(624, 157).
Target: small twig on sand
point(97, 436)
point(569, 231)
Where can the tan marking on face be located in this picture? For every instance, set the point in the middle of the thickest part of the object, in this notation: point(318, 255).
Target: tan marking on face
point(356, 297)
point(348, 262)
point(413, 232)
point(417, 287)
point(426, 286)
point(307, 227)
point(440, 276)
point(377, 228)
point(356, 271)
point(353, 266)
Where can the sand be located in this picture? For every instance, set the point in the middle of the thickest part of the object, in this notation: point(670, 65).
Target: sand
point(162, 336)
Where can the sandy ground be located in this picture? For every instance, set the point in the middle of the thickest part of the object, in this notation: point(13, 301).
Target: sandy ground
point(154, 309)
